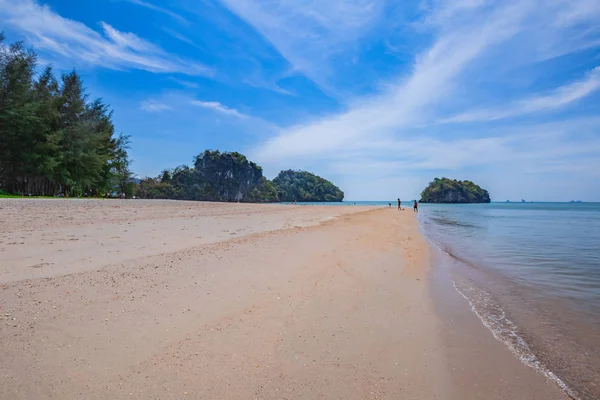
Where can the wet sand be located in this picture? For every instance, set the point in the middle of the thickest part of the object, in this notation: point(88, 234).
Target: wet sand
point(104, 299)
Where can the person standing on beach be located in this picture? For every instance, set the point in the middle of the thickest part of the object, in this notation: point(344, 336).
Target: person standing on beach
point(399, 204)
point(416, 207)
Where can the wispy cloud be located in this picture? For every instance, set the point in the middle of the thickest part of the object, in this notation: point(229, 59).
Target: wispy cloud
point(309, 32)
point(406, 101)
point(51, 33)
point(125, 40)
point(560, 97)
point(154, 106)
point(162, 10)
point(181, 37)
point(184, 83)
point(218, 107)
point(390, 133)
point(405, 104)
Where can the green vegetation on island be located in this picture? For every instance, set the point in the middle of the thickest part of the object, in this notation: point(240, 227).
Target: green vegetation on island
point(53, 139)
point(228, 176)
point(215, 176)
point(446, 190)
point(304, 186)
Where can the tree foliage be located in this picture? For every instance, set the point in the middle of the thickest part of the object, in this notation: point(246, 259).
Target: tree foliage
point(228, 176)
point(303, 186)
point(446, 190)
point(215, 176)
point(264, 192)
point(52, 139)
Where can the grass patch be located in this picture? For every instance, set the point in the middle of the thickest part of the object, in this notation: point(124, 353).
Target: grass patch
point(14, 196)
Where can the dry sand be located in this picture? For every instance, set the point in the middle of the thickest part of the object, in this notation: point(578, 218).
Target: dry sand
point(162, 299)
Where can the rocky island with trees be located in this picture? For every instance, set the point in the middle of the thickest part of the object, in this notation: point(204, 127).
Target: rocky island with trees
point(447, 190)
point(229, 176)
point(305, 187)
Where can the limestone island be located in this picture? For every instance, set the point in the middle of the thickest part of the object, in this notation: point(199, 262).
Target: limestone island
point(446, 190)
point(231, 177)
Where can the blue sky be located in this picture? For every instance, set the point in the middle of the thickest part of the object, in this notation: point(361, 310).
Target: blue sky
point(378, 96)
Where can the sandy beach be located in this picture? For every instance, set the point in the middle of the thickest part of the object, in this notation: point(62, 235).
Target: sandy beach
point(110, 299)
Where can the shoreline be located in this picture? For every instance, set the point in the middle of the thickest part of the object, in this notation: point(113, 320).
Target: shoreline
point(474, 343)
point(236, 301)
point(539, 327)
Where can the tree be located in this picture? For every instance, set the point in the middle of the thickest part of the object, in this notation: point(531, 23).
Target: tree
point(49, 134)
point(51, 138)
point(18, 119)
point(303, 186)
point(120, 165)
point(264, 192)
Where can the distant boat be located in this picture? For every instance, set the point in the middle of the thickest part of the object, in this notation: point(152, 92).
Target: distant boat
point(523, 201)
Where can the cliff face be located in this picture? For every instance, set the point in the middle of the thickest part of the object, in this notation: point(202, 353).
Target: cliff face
point(446, 190)
point(218, 176)
point(225, 176)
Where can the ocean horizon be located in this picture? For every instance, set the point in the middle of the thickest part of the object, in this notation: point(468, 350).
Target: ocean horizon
point(410, 202)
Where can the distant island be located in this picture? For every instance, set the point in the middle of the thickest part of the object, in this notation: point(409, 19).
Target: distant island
point(304, 186)
point(231, 177)
point(445, 190)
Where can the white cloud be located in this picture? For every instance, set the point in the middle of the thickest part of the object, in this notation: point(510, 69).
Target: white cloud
point(391, 136)
point(560, 97)
point(151, 105)
point(49, 32)
point(412, 100)
point(181, 37)
point(309, 32)
point(187, 84)
point(160, 10)
point(216, 106)
point(406, 102)
point(130, 41)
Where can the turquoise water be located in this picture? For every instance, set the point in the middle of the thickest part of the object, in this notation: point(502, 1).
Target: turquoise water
point(394, 203)
point(531, 271)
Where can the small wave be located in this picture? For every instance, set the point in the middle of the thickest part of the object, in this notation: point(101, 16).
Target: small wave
point(494, 318)
point(448, 251)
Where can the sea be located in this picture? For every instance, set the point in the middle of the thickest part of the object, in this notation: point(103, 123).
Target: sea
point(531, 273)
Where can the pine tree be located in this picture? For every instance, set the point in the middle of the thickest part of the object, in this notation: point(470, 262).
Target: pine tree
point(18, 119)
point(49, 135)
point(51, 138)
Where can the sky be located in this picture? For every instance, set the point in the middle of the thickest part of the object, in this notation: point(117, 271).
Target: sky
point(378, 96)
